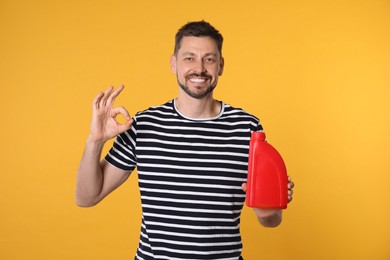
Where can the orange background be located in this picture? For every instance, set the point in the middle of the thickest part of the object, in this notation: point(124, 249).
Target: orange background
point(315, 72)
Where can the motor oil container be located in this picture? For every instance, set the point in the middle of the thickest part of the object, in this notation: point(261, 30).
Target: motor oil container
point(267, 175)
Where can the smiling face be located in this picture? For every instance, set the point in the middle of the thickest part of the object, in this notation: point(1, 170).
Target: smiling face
point(197, 64)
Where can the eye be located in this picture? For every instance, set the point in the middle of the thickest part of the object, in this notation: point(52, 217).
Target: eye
point(210, 60)
point(189, 59)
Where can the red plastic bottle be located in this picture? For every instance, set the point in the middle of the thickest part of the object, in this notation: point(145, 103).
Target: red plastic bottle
point(267, 175)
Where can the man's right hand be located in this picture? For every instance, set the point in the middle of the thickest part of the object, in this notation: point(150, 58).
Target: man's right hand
point(104, 125)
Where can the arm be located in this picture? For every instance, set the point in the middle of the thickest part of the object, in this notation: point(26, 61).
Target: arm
point(269, 217)
point(272, 217)
point(96, 179)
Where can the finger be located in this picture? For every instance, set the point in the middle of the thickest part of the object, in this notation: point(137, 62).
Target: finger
point(122, 111)
point(244, 187)
point(105, 96)
point(96, 100)
point(290, 183)
point(290, 195)
point(114, 94)
point(126, 126)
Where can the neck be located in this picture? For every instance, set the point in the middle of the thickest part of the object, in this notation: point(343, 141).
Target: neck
point(206, 107)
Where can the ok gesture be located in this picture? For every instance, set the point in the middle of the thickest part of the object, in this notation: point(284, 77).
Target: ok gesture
point(104, 124)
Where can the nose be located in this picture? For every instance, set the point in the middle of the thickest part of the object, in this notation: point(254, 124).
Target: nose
point(200, 67)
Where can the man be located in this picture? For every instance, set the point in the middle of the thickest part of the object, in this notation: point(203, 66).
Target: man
point(191, 156)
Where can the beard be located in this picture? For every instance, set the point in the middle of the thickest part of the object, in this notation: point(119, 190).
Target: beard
point(197, 94)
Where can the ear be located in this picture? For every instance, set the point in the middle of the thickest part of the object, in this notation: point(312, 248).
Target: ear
point(221, 66)
point(173, 64)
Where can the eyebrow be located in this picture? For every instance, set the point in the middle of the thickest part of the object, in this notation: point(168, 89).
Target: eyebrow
point(193, 54)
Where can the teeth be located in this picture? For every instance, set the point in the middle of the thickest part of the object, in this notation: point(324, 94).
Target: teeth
point(197, 80)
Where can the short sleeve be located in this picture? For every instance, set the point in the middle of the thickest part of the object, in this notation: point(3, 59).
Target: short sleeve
point(122, 153)
point(256, 125)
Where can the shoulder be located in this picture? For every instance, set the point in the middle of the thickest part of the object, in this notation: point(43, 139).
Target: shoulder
point(238, 112)
point(239, 116)
point(162, 111)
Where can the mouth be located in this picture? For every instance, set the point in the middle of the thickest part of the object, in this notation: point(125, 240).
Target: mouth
point(196, 78)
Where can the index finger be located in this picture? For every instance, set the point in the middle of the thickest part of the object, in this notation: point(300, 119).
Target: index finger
point(290, 183)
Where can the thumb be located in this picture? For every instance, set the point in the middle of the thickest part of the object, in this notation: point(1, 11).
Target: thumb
point(122, 111)
point(126, 126)
point(244, 187)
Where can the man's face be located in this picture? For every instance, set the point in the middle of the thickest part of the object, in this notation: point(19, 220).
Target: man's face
point(197, 65)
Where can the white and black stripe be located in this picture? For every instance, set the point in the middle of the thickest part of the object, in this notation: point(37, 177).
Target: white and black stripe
point(190, 174)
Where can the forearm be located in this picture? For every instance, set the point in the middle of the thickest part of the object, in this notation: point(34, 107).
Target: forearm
point(90, 176)
point(269, 217)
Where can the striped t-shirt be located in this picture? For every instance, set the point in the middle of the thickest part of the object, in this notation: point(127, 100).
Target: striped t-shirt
point(190, 173)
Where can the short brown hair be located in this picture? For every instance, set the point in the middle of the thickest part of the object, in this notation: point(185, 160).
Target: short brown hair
point(198, 29)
